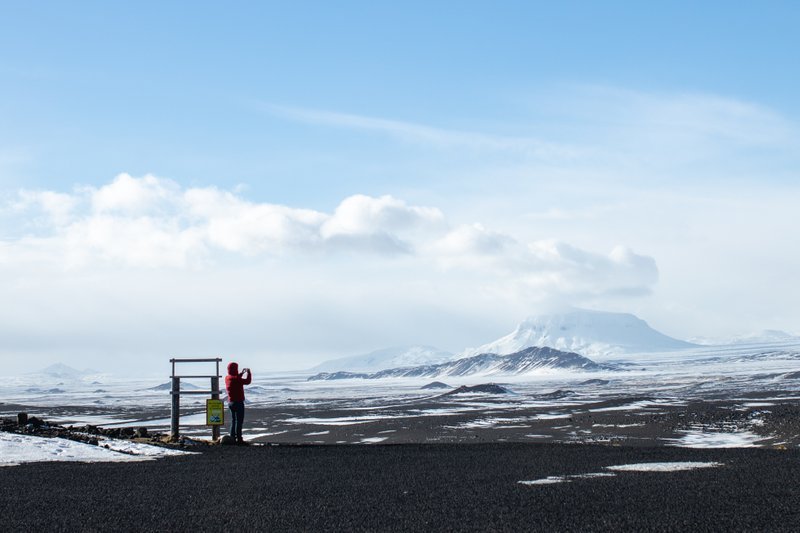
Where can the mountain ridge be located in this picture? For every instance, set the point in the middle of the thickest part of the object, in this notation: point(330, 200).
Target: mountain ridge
point(527, 360)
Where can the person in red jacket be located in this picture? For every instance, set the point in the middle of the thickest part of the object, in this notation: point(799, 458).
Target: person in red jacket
point(234, 385)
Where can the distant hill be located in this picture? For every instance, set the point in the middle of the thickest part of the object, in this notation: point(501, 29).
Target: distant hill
point(168, 386)
point(590, 333)
point(62, 371)
point(766, 336)
point(398, 356)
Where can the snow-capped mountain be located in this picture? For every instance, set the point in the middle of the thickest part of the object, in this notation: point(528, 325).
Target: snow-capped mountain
point(590, 333)
point(525, 361)
point(399, 356)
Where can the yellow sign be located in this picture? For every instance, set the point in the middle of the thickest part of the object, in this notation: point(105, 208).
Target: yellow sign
point(215, 413)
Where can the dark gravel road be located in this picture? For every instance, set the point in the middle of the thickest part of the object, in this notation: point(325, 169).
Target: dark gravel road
point(407, 488)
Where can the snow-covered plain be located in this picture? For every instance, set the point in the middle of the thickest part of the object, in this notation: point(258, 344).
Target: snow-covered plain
point(646, 383)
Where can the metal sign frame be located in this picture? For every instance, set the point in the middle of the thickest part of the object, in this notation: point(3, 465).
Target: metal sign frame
point(176, 392)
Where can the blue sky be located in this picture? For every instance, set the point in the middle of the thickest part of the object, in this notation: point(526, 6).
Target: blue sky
point(668, 130)
point(89, 90)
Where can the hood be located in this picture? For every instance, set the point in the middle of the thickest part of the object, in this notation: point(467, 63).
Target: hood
point(233, 369)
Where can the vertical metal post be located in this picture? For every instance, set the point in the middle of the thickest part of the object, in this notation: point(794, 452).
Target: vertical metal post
point(176, 406)
point(215, 396)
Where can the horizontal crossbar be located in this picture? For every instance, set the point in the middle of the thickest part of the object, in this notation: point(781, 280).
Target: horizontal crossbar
point(215, 359)
point(195, 377)
point(207, 392)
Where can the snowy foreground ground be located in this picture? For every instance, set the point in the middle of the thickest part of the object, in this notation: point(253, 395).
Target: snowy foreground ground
point(724, 396)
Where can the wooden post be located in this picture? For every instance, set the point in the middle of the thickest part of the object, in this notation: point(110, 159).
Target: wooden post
point(215, 396)
point(176, 406)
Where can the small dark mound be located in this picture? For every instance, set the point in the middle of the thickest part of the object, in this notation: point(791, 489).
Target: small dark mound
point(792, 375)
point(594, 382)
point(485, 388)
point(436, 385)
point(555, 395)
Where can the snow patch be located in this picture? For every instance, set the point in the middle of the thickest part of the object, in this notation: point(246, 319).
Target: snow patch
point(17, 449)
point(679, 466)
point(716, 439)
point(373, 440)
point(549, 480)
point(633, 467)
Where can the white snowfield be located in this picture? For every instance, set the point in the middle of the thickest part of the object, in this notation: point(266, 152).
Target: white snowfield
point(16, 449)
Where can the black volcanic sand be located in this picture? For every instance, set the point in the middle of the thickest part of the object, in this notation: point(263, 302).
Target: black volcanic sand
point(413, 487)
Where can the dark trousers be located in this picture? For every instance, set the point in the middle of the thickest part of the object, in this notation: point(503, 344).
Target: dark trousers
point(237, 419)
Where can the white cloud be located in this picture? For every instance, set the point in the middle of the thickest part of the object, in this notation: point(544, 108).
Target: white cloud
point(473, 239)
point(130, 195)
point(360, 214)
point(56, 206)
point(236, 225)
point(383, 223)
point(150, 222)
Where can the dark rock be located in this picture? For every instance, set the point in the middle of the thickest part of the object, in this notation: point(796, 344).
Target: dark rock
point(141, 433)
point(485, 388)
point(436, 385)
point(227, 440)
point(594, 382)
point(22, 419)
point(35, 422)
point(555, 395)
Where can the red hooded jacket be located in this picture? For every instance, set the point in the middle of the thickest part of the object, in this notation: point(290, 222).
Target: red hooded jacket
point(234, 383)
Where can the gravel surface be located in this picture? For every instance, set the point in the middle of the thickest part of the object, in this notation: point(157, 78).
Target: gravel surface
point(410, 487)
